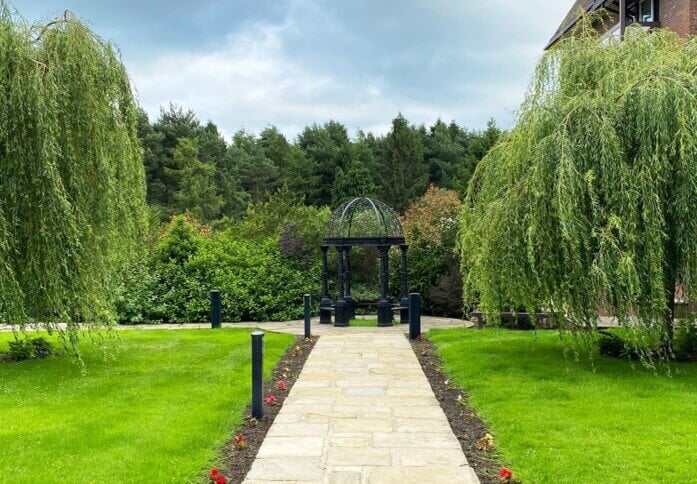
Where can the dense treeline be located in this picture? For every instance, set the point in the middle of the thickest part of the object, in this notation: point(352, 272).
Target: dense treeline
point(245, 214)
point(267, 199)
point(191, 168)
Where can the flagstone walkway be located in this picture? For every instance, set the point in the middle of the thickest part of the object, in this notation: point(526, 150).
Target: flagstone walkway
point(292, 327)
point(361, 411)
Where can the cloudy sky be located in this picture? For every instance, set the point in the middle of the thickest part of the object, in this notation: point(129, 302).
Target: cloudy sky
point(251, 63)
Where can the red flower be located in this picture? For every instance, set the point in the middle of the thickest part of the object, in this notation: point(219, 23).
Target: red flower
point(239, 438)
point(271, 400)
point(220, 480)
point(505, 473)
point(214, 474)
point(281, 385)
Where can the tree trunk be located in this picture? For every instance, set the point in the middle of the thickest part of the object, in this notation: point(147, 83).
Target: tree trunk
point(670, 281)
point(670, 316)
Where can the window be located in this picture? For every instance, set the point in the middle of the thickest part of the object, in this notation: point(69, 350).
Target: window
point(642, 11)
point(646, 11)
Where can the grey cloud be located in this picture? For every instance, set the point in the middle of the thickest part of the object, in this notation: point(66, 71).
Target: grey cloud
point(248, 63)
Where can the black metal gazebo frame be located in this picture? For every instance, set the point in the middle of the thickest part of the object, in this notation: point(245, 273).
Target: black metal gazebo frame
point(385, 233)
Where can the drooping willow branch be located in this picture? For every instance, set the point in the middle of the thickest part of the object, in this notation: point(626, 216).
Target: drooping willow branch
point(72, 207)
point(40, 29)
point(590, 200)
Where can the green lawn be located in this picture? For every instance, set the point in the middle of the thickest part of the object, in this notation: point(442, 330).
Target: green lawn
point(556, 420)
point(369, 323)
point(159, 411)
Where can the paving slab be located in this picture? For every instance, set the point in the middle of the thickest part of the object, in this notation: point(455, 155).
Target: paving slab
point(296, 327)
point(362, 411)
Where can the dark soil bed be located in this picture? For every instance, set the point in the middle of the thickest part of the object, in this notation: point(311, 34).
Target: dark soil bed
point(467, 426)
point(236, 463)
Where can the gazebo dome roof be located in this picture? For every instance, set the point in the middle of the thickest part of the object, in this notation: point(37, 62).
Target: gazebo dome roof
point(363, 221)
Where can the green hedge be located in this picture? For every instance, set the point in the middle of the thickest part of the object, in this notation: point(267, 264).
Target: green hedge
point(258, 282)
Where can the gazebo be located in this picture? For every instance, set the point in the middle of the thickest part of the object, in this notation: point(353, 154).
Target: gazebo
point(362, 222)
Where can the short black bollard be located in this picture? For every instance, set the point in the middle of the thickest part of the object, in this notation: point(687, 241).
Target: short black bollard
point(308, 314)
point(414, 315)
point(257, 374)
point(215, 309)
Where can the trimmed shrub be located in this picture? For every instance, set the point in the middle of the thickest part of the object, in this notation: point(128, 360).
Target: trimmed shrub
point(262, 266)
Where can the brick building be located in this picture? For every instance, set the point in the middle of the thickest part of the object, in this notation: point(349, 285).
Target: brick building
point(677, 15)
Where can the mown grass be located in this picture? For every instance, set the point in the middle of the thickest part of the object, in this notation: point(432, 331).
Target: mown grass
point(159, 410)
point(367, 323)
point(556, 418)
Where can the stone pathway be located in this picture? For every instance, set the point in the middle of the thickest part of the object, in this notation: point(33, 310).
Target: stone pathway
point(292, 327)
point(362, 411)
point(296, 327)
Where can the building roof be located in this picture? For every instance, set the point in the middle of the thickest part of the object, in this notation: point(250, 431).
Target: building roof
point(572, 17)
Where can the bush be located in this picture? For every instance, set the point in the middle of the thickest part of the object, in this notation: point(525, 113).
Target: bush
point(611, 345)
point(257, 282)
point(685, 343)
point(29, 348)
point(362, 292)
point(632, 343)
point(365, 280)
point(430, 226)
point(20, 350)
point(262, 266)
point(134, 300)
point(157, 288)
point(42, 348)
point(284, 216)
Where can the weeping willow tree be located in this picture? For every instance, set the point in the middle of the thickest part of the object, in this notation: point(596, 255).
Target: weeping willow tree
point(72, 204)
point(591, 200)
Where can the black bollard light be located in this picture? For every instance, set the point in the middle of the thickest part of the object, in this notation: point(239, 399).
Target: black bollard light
point(308, 314)
point(414, 315)
point(257, 374)
point(216, 317)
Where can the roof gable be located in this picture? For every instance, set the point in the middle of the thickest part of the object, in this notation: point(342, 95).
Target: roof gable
point(572, 17)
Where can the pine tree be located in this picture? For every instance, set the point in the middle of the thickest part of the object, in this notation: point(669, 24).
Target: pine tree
point(327, 148)
point(360, 177)
point(275, 146)
point(174, 124)
point(404, 175)
point(153, 157)
point(258, 175)
point(198, 194)
point(476, 146)
point(299, 175)
point(443, 154)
